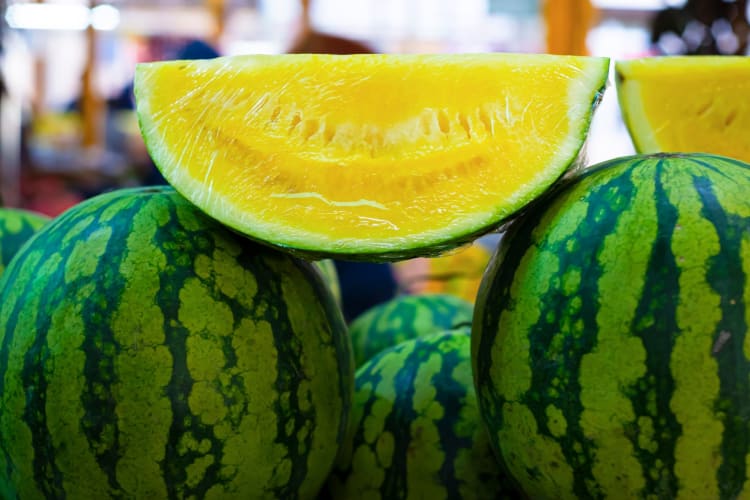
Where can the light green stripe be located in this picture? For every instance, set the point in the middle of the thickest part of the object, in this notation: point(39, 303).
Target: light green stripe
point(66, 382)
point(523, 447)
point(80, 226)
point(85, 255)
point(526, 448)
point(424, 434)
point(143, 367)
point(319, 389)
point(618, 360)
point(205, 356)
point(250, 456)
point(698, 313)
point(510, 353)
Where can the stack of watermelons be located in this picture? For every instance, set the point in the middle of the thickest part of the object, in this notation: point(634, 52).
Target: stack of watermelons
point(188, 342)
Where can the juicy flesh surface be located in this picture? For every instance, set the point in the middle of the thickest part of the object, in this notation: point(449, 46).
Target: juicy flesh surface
point(688, 104)
point(365, 152)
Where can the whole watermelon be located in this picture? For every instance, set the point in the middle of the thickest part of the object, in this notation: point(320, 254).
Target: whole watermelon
point(16, 226)
point(148, 352)
point(406, 317)
point(610, 339)
point(416, 430)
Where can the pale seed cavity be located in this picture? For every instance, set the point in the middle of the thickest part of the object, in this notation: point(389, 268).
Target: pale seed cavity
point(436, 125)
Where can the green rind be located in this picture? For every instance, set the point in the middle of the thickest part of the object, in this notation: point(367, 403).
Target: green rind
point(328, 269)
point(406, 247)
point(143, 346)
point(609, 342)
point(16, 227)
point(625, 110)
point(404, 318)
point(416, 430)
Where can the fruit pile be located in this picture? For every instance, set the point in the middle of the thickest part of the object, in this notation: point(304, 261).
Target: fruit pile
point(188, 341)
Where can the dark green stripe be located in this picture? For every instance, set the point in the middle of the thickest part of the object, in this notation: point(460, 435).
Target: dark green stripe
point(723, 166)
point(290, 373)
point(47, 475)
point(8, 332)
point(655, 323)
point(97, 398)
point(726, 276)
point(370, 374)
point(184, 422)
point(451, 395)
point(395, 484)
point(607, 200)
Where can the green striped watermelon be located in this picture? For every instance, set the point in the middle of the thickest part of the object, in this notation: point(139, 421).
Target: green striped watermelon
point(416, 430)
point(406, 317)
point(148, 352)
point(16, 226)
point(611, 346)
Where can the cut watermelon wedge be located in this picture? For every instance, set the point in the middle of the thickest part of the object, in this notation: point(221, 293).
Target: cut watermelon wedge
point(366, 157)
point(686, 104)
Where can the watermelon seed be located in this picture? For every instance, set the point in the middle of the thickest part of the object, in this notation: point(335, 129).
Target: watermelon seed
point(296, 119)
point(443, 122)
point(328, 133)
point(730, 118)
point(465, 124)
point(705, 108)
point(275, 114)
point(486, 121)
point(309, 128)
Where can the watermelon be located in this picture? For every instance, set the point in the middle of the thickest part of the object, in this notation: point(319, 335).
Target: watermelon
point(335, 155)
point(148, 352)
point(406, 317)
point(610, 336)
point(416, 429)
point(16, 226)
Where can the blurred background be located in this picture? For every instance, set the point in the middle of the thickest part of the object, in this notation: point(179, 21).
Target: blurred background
point(68, 128)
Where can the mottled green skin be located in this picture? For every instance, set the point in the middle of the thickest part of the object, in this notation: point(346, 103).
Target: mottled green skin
point(416, 428)
point(610, 337)
point(406, 317)
point(16, 227)
point(148, 352)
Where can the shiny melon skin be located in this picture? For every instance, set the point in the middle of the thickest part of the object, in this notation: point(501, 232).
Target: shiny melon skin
point(687, 104)
point(366, 157)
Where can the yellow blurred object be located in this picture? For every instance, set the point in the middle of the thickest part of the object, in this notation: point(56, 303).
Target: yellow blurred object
point(568, 23)
point(57, 130)
point(457, 273)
